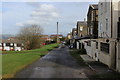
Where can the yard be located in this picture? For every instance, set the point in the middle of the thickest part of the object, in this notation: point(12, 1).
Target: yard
point(13, 61)
point(101, 71)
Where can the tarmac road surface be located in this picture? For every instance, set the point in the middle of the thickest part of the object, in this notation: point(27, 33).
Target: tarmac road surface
point(58, 63)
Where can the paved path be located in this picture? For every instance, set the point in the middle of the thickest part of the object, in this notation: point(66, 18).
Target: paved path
point(87, 58)
point(98, 67)
point(56, 64)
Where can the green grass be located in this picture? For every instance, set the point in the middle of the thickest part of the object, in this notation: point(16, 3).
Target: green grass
point(76, 54)
point(14, 61)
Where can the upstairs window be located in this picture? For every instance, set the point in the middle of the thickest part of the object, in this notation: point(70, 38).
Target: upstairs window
point(106, 24)
point(11, 44)
point(0, 44)
point(119, 29)
point(81, 28)
point(19, 45)
point(96, 45)
point(7, 44)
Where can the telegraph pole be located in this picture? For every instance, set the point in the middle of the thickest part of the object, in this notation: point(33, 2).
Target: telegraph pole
point(57, 34)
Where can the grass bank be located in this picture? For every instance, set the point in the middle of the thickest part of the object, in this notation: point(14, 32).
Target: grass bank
point(14, 61)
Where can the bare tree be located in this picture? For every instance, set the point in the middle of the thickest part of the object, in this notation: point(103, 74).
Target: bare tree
point(31, 36)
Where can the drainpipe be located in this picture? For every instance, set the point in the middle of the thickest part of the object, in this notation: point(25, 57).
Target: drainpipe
point(111, 20)
point(115, 65)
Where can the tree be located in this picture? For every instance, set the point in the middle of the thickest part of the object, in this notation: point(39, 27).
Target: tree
point(31, 36)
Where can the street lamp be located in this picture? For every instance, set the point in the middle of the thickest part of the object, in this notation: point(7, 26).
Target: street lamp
point(57, 34)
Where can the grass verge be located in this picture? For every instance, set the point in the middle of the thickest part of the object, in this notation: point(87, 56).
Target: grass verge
point(14, 61)
point(76, 54)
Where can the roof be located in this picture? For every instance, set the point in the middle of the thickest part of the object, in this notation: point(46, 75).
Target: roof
point(11, 41)
point(74, 29)
point(85, 37)
point(69, 34)
point(56, 35)
point(94, 6)
point(82, 22)
point(44, 35)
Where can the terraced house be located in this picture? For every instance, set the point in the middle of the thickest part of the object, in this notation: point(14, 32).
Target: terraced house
point(92, 20)
point(103, 33)
point(91, 44)
point(81, 28)
point(108, 32)
point(81, 32)
point(118, 40)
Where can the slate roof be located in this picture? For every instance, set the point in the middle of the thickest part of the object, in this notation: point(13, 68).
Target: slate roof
point(94, 6)
point(10, 41)
point(82, 23)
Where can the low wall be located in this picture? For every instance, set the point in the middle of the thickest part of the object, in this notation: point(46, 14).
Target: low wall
point(118, 57)
point(107, 58)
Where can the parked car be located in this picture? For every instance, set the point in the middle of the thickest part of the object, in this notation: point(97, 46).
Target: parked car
point(70, 46)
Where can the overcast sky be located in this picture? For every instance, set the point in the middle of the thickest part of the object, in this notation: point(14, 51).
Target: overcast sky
point(46, 14)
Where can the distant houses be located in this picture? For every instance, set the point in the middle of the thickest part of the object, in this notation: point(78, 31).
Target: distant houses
point(74, 35)
point(102, 40)
point(69, 36)
point(11, 45)
point(81, 28)
point(14, 44)
point(91, 44)
point(82, 32)
point(45, 38)
point(55, 35)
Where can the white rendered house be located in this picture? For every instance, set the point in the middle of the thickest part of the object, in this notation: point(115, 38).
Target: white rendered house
point(11, 45)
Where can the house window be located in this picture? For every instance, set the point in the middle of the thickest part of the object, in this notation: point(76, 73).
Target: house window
point(101, 8)
point(7, 44)
point(106, 6)
point(100, 26)
point(104, 47)
point(19, 45)
point(81, 28)
point(119, 29)
point(96, 45)
point(92, 16)
point(11, 44)
point(0, 44)
point(101, 4)
point(106, 24)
